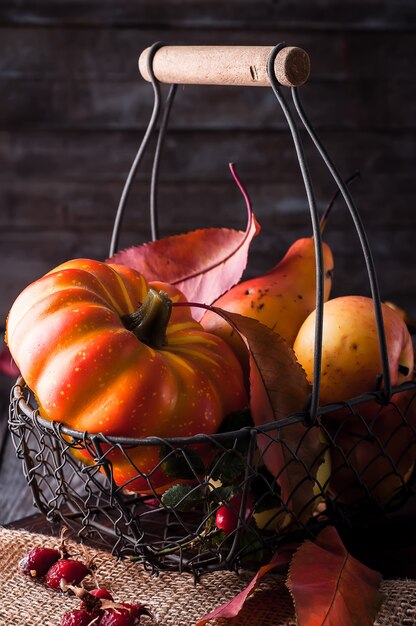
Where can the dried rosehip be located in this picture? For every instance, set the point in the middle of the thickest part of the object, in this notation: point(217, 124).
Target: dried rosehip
point(66, 571)
point(38, 560)
point(92, 601)
point(102, 594)
point(78, 617)
point(127, 616)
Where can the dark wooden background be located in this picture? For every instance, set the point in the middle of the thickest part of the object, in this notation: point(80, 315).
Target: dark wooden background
point(73, 109)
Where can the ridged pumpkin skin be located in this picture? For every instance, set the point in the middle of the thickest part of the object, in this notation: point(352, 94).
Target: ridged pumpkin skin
point(89, 372)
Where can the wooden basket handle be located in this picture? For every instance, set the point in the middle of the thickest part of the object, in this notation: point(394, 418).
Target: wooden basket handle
point(226, 65)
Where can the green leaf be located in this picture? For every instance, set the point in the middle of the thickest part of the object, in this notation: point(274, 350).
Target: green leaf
point(221, 494)
point(183, 462)
point(182, 498)
point(234, 422)
point(229, 468)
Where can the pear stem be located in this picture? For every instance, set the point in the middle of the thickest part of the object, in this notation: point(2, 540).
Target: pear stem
point(325, 215)
point(150, 321)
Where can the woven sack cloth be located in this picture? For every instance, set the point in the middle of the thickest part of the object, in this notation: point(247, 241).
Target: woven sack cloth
point(173, 598)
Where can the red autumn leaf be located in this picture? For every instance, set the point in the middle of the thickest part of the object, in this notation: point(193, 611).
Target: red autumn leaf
point(7, 365)
point(203, 264)
point(233, 607)
point(279, 389)
point(330, 587)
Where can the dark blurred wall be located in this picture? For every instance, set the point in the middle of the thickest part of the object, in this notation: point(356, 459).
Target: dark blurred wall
point(73, 109)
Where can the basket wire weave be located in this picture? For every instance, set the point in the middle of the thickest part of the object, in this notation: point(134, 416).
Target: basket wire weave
point(183, 537)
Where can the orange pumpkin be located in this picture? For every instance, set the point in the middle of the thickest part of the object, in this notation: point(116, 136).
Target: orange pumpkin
point(164, 377)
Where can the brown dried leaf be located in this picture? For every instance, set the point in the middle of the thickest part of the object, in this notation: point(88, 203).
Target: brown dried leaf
point(203, 264)
point(331, 587)
point(279, 389)
point(233, 607)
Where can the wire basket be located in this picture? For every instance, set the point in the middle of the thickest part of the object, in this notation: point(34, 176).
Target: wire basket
point(222, 506)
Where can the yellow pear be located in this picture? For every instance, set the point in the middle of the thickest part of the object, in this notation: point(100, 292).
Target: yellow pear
point(351, 362)
point(280, 299)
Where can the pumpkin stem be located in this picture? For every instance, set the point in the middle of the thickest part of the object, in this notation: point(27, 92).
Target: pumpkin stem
point(150, 321)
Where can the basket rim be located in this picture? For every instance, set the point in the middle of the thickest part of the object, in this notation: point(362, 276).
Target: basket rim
point(32, 414)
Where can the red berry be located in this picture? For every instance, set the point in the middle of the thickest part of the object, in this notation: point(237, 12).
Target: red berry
point(66, 570)
point(129, 616)
point(102, 594)
point(91, 601)
point(38, 560)
point(227, 517)
point(77, 617)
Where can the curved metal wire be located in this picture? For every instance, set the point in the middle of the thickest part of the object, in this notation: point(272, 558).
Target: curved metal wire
point(372, 275)
point(152, 123)
point(86, 498)
point(154, 222)
point(314, 402)
point(26, 408)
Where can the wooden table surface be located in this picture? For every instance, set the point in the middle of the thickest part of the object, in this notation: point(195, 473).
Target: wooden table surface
point(389, 547)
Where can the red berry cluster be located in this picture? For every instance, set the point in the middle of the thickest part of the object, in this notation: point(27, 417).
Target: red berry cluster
point(55, 565)
point(97, 605)
point(99, 609)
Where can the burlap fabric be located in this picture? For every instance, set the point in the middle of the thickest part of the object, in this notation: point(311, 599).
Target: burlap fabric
point(173, 598)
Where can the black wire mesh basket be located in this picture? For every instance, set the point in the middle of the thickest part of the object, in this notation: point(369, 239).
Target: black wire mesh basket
point(221, 505)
